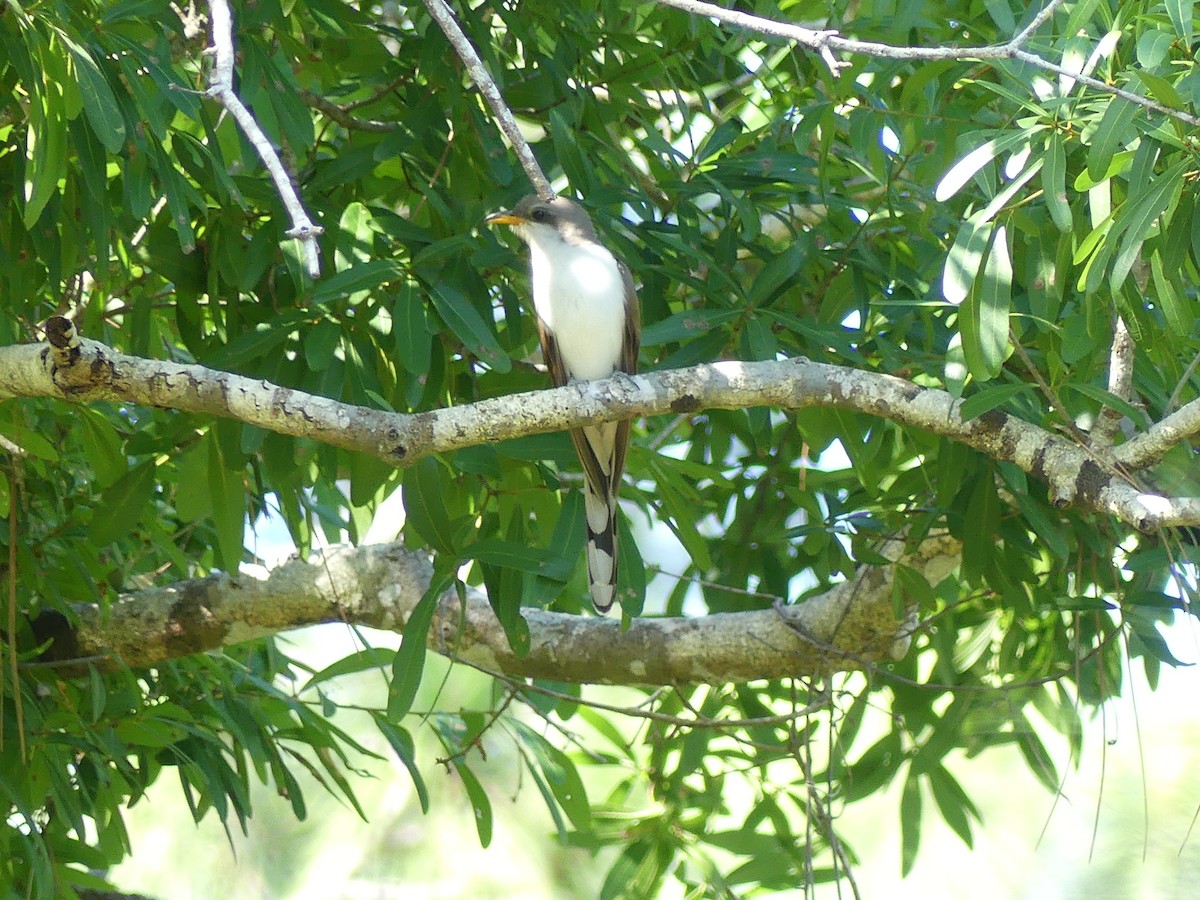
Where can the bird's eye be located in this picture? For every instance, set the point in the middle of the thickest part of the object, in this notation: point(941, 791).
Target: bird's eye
point(538, 215)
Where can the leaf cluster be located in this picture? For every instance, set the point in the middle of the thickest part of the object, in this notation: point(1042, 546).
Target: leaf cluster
point(972, 227)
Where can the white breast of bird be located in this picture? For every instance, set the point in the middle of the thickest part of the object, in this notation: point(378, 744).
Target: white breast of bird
point(580, 295)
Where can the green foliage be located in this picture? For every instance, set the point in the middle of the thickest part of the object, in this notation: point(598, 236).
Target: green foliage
point(922, 219)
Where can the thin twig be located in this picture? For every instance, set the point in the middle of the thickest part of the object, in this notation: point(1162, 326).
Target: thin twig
point(826, 42)
point(634, 712)
point(220, 88)
point(491, 93)
point(1173, 402)
point(346, 119)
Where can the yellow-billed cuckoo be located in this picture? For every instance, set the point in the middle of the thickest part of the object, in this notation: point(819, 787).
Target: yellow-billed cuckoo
point(590, 326)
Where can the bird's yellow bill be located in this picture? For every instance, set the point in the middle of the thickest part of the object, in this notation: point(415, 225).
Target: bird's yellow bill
point(504, 217)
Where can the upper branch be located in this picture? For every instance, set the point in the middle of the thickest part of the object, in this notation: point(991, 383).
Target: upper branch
point(93, 371)
point(491, 93)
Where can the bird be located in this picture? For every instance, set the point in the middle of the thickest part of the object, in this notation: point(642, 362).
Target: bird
point(589, 325)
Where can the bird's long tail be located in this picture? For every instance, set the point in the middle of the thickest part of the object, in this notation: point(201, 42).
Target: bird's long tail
point(599, 451)
point(601, 547)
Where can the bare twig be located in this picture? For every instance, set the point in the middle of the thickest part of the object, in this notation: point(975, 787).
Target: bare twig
point(827, 42)
point(221, 89)
point(1187, 375)
point(343, 117)
point(491, 93)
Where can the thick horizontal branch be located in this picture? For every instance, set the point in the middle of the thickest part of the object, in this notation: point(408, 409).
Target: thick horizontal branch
point(81, 370)
point(378, 586)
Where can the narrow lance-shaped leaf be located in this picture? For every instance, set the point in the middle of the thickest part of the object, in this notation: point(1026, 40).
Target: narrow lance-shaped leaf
point(1137, 219)
point(964, 170)
point(1176, 308)
point(1115, 129)
point(409, 662)
point(1054, 182)
point(983, 316)
point(99, 103)
point(962, 262)
point(1181, 13)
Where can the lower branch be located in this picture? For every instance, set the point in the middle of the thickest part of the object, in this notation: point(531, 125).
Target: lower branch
point(378, 586)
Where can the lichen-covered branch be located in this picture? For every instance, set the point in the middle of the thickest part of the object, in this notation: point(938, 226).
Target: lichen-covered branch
point(86, 370)
point(378, 586)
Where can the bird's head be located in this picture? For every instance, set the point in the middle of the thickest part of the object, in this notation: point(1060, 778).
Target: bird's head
point(543, 220)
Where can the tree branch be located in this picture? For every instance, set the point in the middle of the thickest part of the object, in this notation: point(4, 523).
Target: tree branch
point(378, 586)
point(1120, 384)
point(86, 370)
point(825, 43)
point(221, 89)
point(491, 93)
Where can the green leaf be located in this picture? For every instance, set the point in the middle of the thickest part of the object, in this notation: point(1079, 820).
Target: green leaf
point(684, 325)
point(424, 507)
point(122, 504)
point(910, 823)
point(1161, 89)
point(361, 276)
point(776, 273)
point(561, 775)
point(228, 504)
point(356, 236)
point(982, 522)
point(1115, 130)
point(468, 326)
point(102, 445)
point(512, 555)
point(963, 260)
point(982, 401)
point(953, 803)
point(411, 331)
point(45, 150)
point(480, 804)
point(321, 343)
point(983, 316)
point(1107, 399)
point(964, 170)
point(403, 746)
point(99, 102)
point(631, 573)
point(1181, 13)
point(409, 661)
point(361, 661)
point(30, 441)
point(1054, 182)
point(1139, 215)
point(1176, 307)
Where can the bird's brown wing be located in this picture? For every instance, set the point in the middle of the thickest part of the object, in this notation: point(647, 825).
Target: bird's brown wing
point(630, 344)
